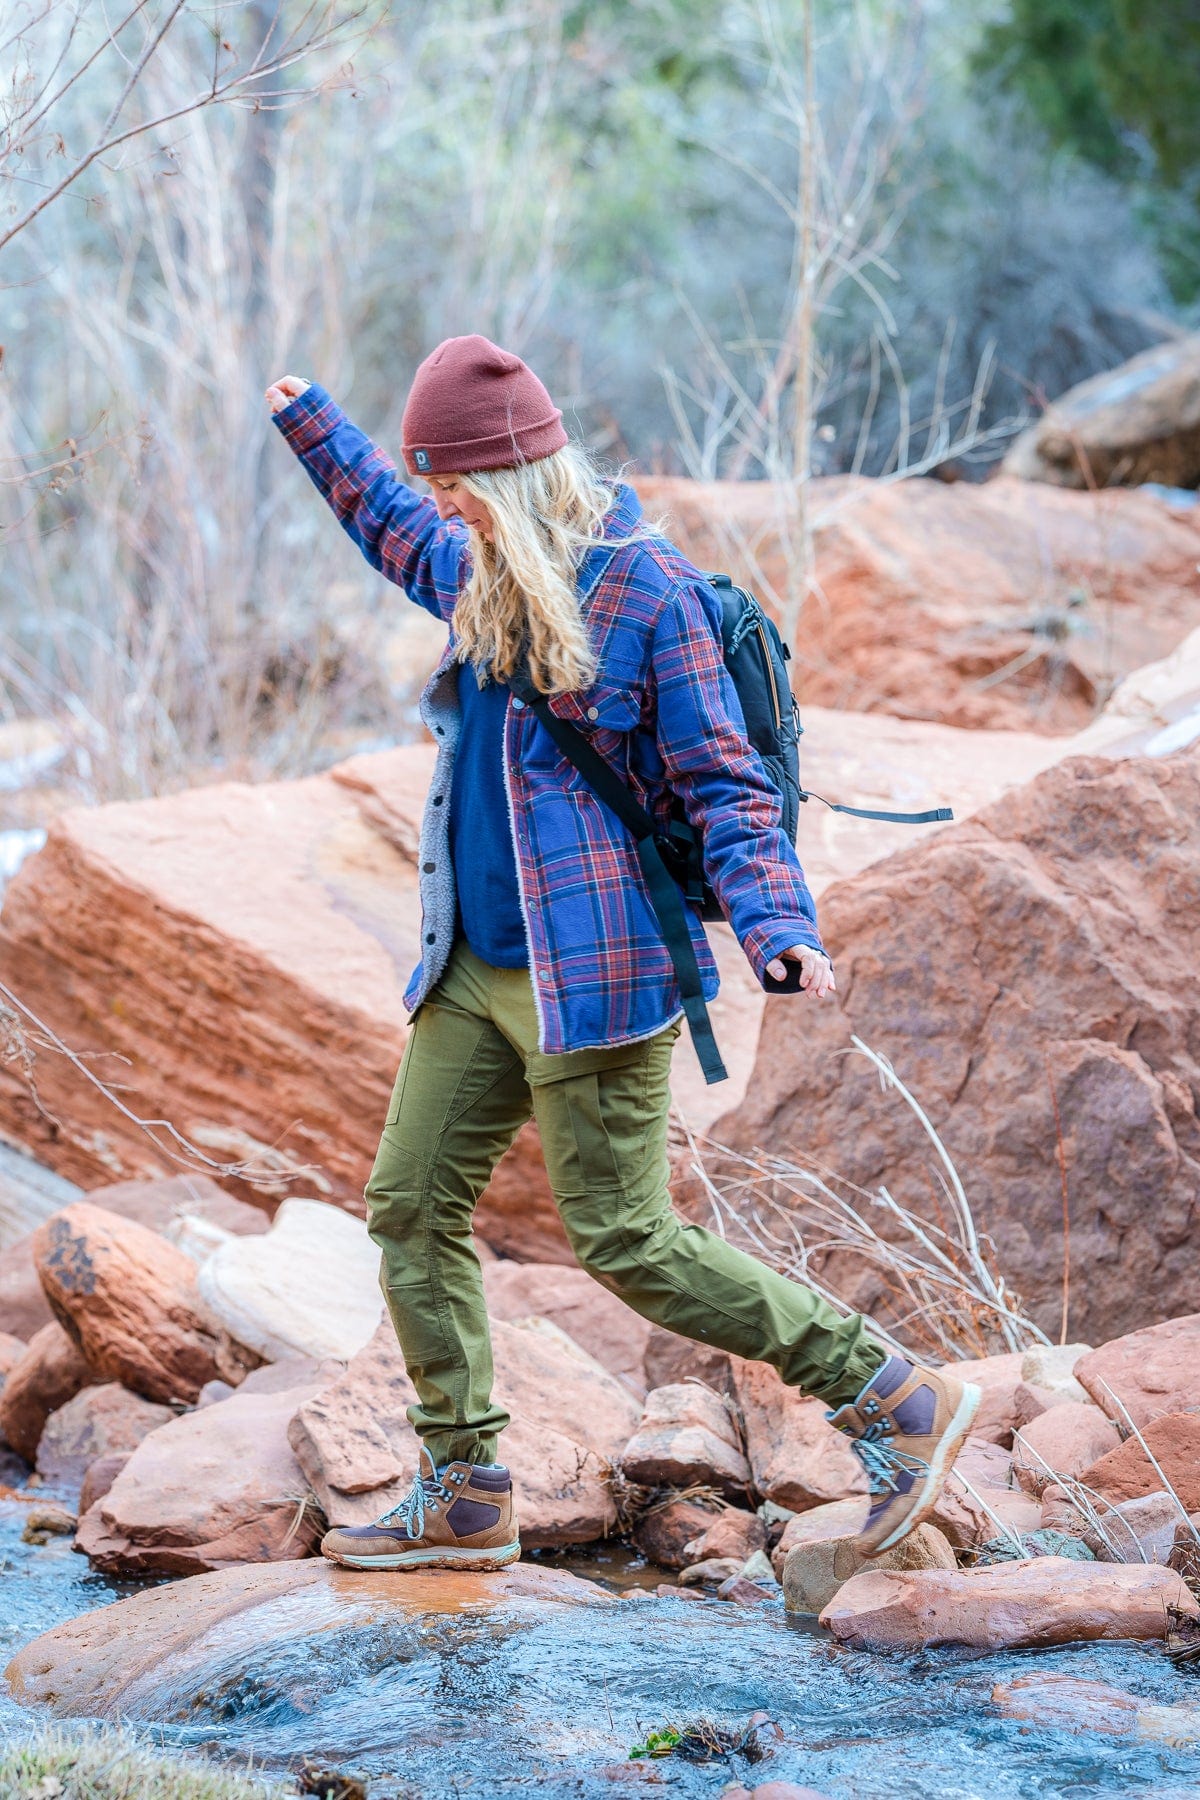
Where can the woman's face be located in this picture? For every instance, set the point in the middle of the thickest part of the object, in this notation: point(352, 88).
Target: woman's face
point(454, 502)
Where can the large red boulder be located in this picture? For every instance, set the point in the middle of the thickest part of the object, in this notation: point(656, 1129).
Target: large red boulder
point(44, 1378)
point(1041, 953)
point(597, 1320)
point(1006, 1606)
point(129, 1300)
point(923, 598)
point(570, 1421)
point(216, 1486)
point(1125, 1473)
point(687, 1437)
point(280, 924)
point(192, 1210)
point(1146, 1373)
point(99, 1422)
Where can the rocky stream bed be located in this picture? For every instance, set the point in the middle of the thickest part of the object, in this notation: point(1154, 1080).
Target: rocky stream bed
point(550, 1685)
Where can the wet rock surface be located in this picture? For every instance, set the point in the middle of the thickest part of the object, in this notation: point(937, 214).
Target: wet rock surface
point(518, 1694)
point(1050, 1601)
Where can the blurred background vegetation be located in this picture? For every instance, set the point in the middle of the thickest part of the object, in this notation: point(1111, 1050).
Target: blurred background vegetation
point(1001, 201)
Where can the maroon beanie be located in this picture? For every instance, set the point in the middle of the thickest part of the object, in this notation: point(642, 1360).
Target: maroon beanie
point(475, 406)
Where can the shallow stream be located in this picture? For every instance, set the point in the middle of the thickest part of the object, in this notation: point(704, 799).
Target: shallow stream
point(467, 1705)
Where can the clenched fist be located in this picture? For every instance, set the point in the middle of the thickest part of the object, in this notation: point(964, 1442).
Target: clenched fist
point(282, 392)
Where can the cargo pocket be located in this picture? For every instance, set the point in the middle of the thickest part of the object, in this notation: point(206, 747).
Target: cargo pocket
point(596, 1118)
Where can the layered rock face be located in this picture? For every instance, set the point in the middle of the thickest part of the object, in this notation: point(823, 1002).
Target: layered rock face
point(247, 949)
point(928, 592)
point(1045, 949)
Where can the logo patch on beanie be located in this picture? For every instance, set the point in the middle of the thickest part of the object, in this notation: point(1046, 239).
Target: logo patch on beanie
point(421, 458)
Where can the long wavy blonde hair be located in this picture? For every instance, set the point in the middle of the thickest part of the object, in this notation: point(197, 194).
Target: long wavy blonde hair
point(545, 516)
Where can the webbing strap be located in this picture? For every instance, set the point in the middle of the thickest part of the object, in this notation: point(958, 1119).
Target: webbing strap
point(940, 815)
point(665, 896)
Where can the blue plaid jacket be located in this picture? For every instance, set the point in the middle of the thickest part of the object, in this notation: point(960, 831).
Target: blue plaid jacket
point(663, 712)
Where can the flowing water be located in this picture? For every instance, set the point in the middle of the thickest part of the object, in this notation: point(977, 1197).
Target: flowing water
point(552, 1698)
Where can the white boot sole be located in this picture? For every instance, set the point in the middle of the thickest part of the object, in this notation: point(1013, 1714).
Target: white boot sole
point(441, 1558)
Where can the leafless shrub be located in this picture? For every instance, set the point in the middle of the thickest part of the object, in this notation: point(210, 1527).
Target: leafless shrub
point(946, 1297)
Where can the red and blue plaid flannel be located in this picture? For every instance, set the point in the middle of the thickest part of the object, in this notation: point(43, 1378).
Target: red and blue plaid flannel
point(663, 712)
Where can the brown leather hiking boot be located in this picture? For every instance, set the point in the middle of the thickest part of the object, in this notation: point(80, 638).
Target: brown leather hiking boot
point(462, 1518)
point(907, 1426)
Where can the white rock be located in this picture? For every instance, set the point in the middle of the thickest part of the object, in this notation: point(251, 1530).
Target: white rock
point(307, 1287)
point(1051, 1366)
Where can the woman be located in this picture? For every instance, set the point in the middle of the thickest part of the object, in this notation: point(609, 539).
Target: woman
point(545, 986)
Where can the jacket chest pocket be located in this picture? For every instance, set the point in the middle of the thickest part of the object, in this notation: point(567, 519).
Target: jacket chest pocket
point(605, 707)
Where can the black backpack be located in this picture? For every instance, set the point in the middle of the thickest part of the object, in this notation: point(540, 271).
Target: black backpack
point(673, 861)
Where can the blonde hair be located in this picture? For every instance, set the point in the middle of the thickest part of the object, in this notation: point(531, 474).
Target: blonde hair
point(545, 516)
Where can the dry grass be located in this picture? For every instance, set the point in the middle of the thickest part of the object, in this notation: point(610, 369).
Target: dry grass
point(946, 1296)
point(89, 1763)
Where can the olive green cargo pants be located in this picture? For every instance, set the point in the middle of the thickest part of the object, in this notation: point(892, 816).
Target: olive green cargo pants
point(470, 1077)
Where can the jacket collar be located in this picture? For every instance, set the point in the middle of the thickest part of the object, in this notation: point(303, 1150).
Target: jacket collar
point(622, 519)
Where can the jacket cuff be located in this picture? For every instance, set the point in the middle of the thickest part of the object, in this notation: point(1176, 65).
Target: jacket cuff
point(308, 420)
point(763, 943)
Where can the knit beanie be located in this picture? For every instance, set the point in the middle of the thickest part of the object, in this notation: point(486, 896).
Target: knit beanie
point(475, 406)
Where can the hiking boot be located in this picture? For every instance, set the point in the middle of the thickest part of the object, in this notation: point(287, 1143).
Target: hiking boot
point(907, 1427)
point(460, 1517)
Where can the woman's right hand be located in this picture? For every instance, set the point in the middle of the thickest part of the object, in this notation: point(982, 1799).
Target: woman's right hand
point(282, 392)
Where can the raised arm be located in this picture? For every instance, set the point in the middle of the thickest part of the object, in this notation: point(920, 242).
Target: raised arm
point(398, 531)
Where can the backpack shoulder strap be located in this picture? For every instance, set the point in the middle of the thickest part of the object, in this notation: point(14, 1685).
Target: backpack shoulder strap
point(665, 896)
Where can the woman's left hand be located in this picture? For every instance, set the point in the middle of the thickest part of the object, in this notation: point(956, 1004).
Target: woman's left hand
point(816, 970)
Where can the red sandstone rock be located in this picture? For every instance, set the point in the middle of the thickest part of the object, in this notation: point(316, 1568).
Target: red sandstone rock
point(925, 589)
point(571, 1419)
point(1055, 934)
point(1149, 1372)
point(687, 1437)
point(46, 1377)
point(129, 1300)
point(1010, 1605)
point(997, 1378)
point(597, 1320)
point(1064, 1441)
point(816, 1568)
point(163, 1203)
point(24, 1308)
point(99, 1477)
point(797, 1458)
point(663, 1533)
point(1067, 1703)
point(99, 1421)
point(282, 927)
point(974, 1514)
point(732, 1533)
point(12, 1349)
point(181, 1207)
point(1141, 1530)
point(836, 1519)
point(671, 1358)
point(214, 1487)
point(1124, 1474)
